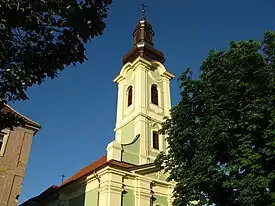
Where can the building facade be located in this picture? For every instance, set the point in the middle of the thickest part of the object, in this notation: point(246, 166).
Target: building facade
point(15, 147)
point(126, 175)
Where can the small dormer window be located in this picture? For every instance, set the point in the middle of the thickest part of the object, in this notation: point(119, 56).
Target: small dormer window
point(154, 94)
point(130, 96)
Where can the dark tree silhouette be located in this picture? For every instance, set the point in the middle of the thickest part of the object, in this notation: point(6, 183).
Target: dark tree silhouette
point(222, 132)
point(38, 39)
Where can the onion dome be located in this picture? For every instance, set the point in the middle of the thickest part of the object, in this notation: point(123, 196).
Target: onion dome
point(143, 36)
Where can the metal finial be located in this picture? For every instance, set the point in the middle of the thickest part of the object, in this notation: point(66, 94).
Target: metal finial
point(143, 10)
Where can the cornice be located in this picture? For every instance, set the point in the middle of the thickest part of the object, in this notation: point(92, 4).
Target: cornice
point(142, 177)
point(168, 75)
point(135, 116)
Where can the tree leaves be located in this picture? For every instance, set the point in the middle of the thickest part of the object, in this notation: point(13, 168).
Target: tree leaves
point(38, 38)
point(221, 133)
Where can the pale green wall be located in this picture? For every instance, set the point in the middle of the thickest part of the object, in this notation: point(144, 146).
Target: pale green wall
point(163, 201)
point(91, 198)
point(153, 153)
point(127, 132)
point(129, 198)
point(86, 199)
point(131, 152)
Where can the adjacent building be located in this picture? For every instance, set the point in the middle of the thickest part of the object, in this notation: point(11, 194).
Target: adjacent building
point(126, 175)
point(15, 148)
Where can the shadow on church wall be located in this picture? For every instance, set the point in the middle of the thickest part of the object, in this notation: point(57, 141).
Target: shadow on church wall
point(80, 195)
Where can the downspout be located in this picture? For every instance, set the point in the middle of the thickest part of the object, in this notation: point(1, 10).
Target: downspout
point(123, 192)
point(122, 150)
point(152, 198)
point(96, 176)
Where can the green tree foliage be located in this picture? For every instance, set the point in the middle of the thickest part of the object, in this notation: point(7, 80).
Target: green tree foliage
point(38, 38)
point(222, 132)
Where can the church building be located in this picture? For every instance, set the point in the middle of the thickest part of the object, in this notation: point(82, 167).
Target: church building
point(126, 175)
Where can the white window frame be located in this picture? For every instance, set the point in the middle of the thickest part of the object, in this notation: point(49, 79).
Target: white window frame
point(6, 134)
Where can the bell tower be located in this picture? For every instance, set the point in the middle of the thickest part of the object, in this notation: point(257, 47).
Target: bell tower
point(143, 100)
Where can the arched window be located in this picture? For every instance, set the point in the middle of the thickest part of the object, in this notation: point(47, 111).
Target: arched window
point(155, 140)
point(154, 94)
point(130, 96)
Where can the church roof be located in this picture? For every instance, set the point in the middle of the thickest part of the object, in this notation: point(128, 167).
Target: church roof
point(93, 167)
point(147, 52)
point(36, 200)
point(96, 165)
point(84, 172)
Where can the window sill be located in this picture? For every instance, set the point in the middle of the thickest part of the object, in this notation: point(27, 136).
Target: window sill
point(156, 108)
point(129, 109)
point(155, 150)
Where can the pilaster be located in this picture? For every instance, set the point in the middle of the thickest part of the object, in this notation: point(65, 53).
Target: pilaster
point(120, 103)
point(111, 189)
point(167, 96)
point(141, 128)
point(103, 197)
point(140, 93)
point(170, 197)
point(143, 192)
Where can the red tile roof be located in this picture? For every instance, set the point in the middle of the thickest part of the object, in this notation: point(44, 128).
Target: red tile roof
point(96, 165)
point(93, 167)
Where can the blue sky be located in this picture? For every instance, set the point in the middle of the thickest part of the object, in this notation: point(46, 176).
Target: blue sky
point(78, 110)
